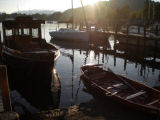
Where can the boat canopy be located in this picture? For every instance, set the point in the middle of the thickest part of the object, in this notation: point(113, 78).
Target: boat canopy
point(22, 26)
point(22, 22)
point(21, 31)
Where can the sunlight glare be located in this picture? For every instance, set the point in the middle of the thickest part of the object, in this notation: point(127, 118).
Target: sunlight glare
point(90, 2)
point(91, 57)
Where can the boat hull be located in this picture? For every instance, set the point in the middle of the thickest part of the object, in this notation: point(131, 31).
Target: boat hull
point(71, 36)
point(98, 94)
point(101, 94)
point(39, 62)
point(27, 65)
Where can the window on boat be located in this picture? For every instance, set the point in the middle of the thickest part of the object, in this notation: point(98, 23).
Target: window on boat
point(9, 32)
point(35, 32)
point(26, 31)
point(15, 31)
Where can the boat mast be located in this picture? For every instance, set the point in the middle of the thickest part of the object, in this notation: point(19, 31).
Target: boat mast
point(72, 14)
point(84, 14)
point(72, 59)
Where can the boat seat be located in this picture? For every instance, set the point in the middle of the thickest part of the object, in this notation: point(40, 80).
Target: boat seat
point(115, 86)
point(135, 95)
point(153, 102)
point(111, 94)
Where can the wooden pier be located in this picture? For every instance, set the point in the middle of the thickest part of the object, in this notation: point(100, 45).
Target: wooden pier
point(134, 58)
point(6, 112)
point(136, 40)
point(1, 102)
point(5, 93)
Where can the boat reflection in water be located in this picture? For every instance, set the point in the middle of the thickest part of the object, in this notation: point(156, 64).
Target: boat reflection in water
point(33, 92)
point(69, 45)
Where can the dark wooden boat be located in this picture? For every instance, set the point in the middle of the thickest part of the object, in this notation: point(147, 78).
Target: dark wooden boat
point(110, 86)
point(23, 46)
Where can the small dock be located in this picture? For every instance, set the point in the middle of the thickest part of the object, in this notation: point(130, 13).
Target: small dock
point(129, 41)
point(5, 101)
point(139, 36)
point(6, 112)
point(1, 102)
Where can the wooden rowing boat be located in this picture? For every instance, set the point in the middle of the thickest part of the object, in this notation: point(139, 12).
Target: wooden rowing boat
point(24, 47)
point(110, 86)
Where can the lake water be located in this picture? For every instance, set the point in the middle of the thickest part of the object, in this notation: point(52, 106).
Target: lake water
point(68, 66)
point(69, 70)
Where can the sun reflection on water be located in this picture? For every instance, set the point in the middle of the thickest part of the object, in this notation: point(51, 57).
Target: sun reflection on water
point(91, 58)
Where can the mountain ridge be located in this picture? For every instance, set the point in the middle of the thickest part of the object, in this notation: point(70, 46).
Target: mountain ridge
point(36, 11)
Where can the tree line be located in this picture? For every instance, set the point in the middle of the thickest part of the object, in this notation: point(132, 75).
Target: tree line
point(102, 14)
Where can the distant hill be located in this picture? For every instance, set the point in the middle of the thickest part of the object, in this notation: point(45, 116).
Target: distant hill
point(31, 12)
point(134, 4)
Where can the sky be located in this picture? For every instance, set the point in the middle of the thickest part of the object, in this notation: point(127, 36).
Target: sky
point(10, 6)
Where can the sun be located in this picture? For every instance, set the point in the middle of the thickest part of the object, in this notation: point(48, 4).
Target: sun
point(90, 2)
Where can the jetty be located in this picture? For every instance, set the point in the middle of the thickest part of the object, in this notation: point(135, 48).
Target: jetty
point(6, 112)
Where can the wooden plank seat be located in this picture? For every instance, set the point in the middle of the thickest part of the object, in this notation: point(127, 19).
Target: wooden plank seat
point(135, 95)
point(115, 86)
point(153, 102)
point(107, 92)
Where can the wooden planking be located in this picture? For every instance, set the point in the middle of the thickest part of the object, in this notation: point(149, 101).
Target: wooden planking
point(153, 102)
point(115, 86)
point(5, 88)
point(135, 95)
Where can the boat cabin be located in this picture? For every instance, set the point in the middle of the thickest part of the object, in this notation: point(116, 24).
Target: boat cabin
point(22, 32)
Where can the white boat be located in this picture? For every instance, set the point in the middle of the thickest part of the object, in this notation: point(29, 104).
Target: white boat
point(69, 34)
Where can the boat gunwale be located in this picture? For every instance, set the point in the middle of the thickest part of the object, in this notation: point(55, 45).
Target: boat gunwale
point(18, 54)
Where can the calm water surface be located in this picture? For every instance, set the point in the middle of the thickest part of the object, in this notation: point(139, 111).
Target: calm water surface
point(68, 69)
point(73, 56)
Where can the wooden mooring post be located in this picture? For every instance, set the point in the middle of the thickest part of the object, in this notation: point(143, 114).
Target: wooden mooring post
point(0, 38)
point(0, 49)
point(127, 32)
point(115, 36)
point(5, 89)
point(138, 29)
point(144, 31)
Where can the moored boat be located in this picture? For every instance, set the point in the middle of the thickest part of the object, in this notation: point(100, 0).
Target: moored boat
point(70, 35)
point(110, 86)
point(23, 46)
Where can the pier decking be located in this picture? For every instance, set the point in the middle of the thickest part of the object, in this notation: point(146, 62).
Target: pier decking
point(1, 102)
point(6, 112)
